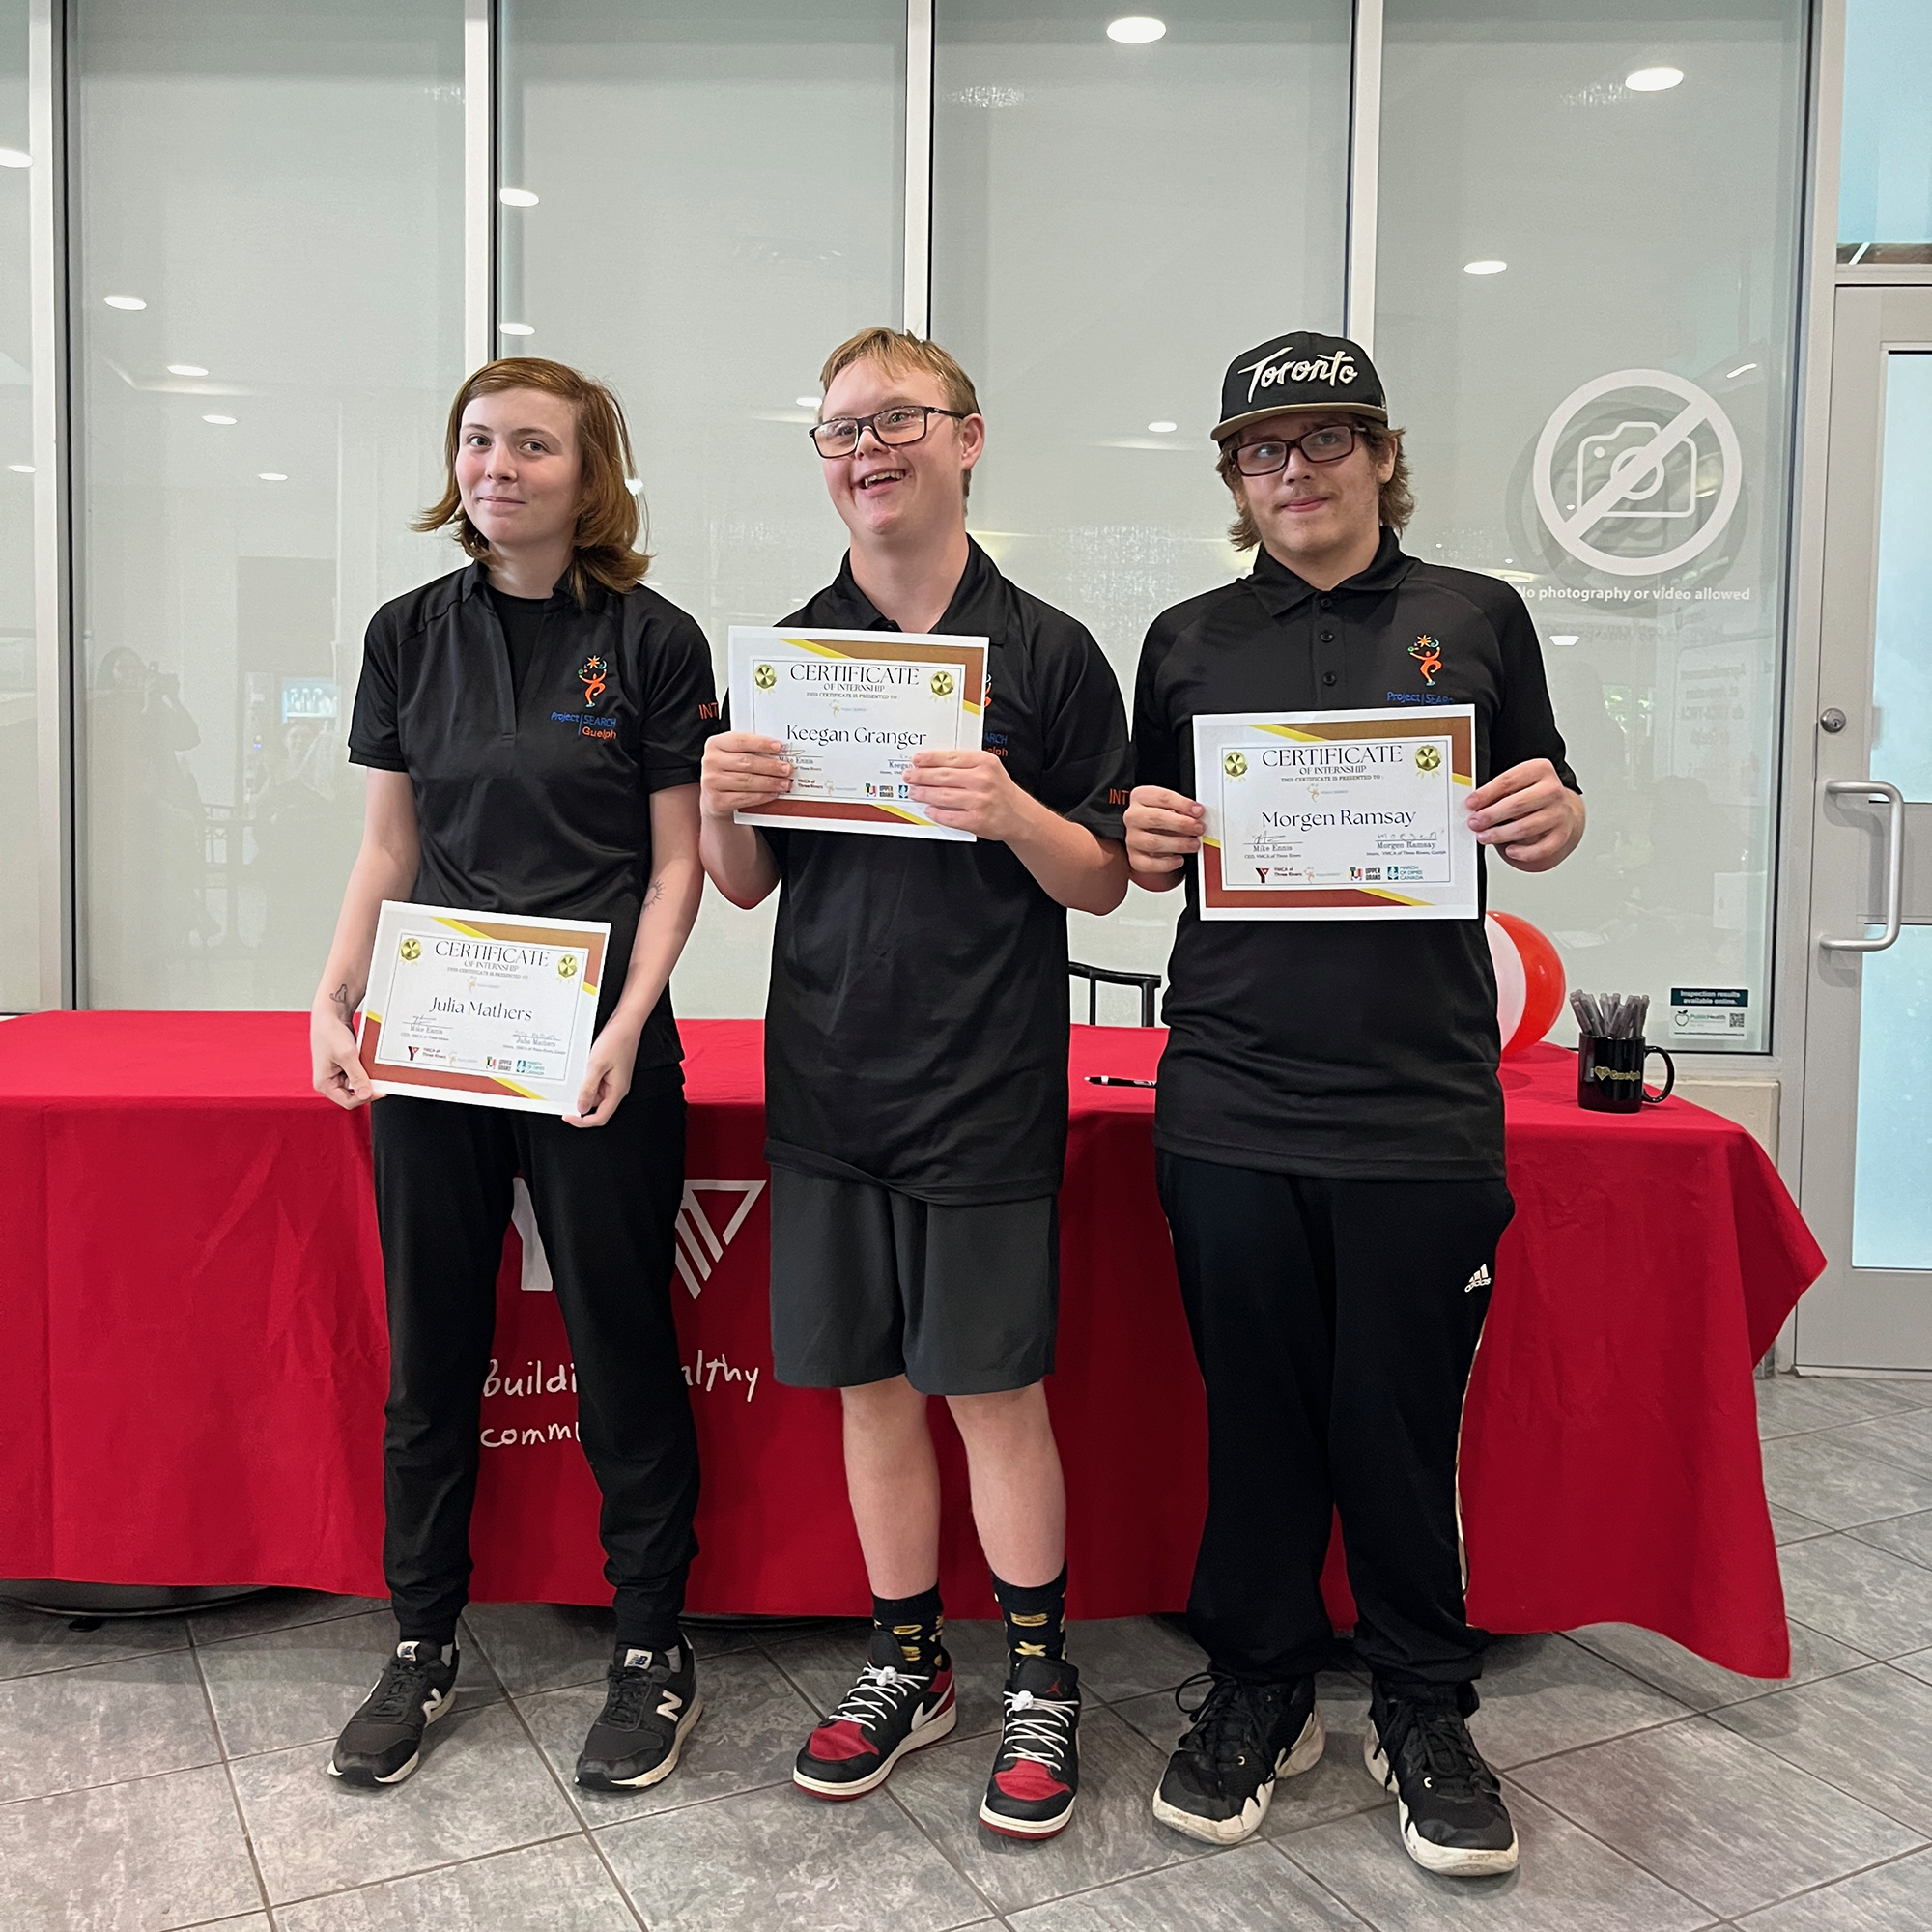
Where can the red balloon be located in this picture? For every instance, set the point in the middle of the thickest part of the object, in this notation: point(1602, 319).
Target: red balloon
point(1529, 981)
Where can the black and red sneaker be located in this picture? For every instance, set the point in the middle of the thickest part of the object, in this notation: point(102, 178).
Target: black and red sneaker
point(1037, 1774)
point(889, 1711)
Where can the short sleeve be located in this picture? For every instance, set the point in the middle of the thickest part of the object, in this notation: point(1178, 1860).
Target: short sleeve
point(375, 736)
point(1087, 765)
point(1156, 761)
point(1525, 723)
point(680, 707)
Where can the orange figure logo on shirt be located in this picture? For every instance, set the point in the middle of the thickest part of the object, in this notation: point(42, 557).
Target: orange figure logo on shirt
point(1426, 653)
point(592, 675)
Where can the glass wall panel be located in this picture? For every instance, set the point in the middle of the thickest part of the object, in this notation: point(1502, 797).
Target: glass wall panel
point(700, 198)
point(19, 874)
point(1586, 294)
point(268, 308)
point(1112, 221)
point(1885, 178)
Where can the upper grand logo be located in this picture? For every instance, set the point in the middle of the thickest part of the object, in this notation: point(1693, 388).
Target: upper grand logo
point(410, 949)
point(942, 684)
point(1234, 764)
point(1428, 654)
point(592, 675)
point(764, 677)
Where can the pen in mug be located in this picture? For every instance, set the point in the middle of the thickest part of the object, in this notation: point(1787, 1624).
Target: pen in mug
point(1114, 1080)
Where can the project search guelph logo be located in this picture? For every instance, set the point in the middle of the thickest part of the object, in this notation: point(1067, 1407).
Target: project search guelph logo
point(592, 675)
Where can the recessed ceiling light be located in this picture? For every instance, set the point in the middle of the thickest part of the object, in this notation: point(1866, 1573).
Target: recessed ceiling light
point(16, 158)
point(1489, 266)
point(123, 302)
point(1653, 79)
point(1742, 369)
point(1566, 640)
point(808, 402)
point(272, 476)
point(515, 328)
point(185, 369)
point(21, 469)
point(1163, 428)
point(516, 197)
point(634, 484)
point(217, 419)
point(1136, 30)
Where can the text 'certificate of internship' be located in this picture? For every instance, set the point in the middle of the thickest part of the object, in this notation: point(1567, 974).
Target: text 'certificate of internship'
point(491, 1008)
point(852, 708)
point(1336, 814)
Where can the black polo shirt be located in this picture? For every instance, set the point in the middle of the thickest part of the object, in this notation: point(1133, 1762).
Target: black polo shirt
point(1348, 1049)
point(916, 1030)
point(533, 794)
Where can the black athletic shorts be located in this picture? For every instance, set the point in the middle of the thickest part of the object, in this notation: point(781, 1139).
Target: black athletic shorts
point(867, 1284)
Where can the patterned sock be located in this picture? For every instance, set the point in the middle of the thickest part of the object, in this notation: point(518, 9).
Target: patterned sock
point(915, 1624)
point(1035, 1617)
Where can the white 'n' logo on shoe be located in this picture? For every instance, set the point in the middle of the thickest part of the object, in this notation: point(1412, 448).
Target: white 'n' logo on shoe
point(673, 1704)
point(1480, 1279)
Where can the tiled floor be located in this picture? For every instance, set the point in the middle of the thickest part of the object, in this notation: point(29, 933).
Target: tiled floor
point(170, 1774)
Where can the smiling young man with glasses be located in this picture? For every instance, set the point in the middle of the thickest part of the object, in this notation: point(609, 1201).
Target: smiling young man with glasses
point(916, 1080)
point(1329, 1128)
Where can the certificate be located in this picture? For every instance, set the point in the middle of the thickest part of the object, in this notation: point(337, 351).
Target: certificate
point(852, 708)
point(1336, 814)
point(487, 1008)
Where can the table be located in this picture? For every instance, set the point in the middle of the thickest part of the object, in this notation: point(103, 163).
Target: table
point(193, 1314)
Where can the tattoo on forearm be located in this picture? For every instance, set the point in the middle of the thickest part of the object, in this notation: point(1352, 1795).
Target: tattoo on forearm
point(340, 997)
point(654, 892)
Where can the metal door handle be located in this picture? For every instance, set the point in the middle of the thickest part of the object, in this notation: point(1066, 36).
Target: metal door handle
point(1876, 791)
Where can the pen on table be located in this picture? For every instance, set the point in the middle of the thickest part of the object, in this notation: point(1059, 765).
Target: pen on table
point(1114, 1080)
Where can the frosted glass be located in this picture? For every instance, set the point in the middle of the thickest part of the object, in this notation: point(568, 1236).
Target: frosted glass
point(1902, 643)
point(1885, 179)
point(19, 905)
point(1892, 1204)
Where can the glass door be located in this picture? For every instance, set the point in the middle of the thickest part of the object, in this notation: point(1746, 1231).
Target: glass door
point(1867, 1192)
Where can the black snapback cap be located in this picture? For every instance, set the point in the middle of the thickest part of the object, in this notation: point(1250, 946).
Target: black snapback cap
point(1302, 371)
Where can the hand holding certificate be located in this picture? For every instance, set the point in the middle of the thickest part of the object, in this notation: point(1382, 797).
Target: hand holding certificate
point(853, 709)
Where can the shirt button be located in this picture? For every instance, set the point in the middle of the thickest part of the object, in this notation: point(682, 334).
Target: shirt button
point(1328, 677)
point(1326, 603)
point(1327, 637)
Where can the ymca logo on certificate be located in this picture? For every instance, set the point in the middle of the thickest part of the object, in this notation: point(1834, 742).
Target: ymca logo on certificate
point(852, 707)
point(1336, 814)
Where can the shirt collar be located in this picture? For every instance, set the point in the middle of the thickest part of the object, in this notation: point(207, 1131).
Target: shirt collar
point(475, 583)
point(853, 610)
point(1281, 590)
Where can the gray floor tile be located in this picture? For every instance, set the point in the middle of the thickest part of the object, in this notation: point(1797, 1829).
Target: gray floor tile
point(277, 1610)
point(1723, 1820)
point(132, 1718)
point(1251, 1889)
point(1906, 1536)
point(248, 1922)
point(752, 1724)
point(1825, 1478)
point(1788, 1527)
point(1904, 1440)
point(1701, 1685)
point(482, 1788)
point(1889, 1899)
point(1917, 1663)
point(298, 1683)
point(1868, 1732)
point(1112, 1834)
point(1127, 1657)
point(543, 1646)
point(1870, 1599)
point(1544, 1693)
point(154, 1852)
point(824, 1666)
point(1787, 1404)
point(561, 1888)
point(1566, 1883)
point(776, 1861)
point(31, 1642)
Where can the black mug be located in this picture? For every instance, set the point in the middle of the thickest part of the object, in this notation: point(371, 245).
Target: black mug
point(1609, 1075)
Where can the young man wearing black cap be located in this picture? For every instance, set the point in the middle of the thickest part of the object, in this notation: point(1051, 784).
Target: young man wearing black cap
point(1330, 1127)
point(916, 1080)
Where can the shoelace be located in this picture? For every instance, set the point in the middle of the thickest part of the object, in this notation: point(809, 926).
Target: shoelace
point(633, 1685)
point(1037, 1728)
point(878, 1692)
point(1224, 1727)
point(1453, 1766)
point(402, 1686)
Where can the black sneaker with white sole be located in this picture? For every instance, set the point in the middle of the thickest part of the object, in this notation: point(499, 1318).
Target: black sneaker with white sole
point(1035, 1775)
point(1220, 1780)
point(887, 1712)
point(383, 1741)
point(648, 1711)
point(1449, 1802)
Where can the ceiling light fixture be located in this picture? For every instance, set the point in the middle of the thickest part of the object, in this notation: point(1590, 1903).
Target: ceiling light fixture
point(1742, 368)
point(1136, 30)
point(123, 302)
point(516, 197)
point(515, 328)
point(16, 158)
point(1566, 640)
point(185, 369)
point(1163, 428)
point(272, 476)
point(21, 469)
point(635, 485)
point(1489, 266)
point(1654, 79)
point(808, 402)
point(223, 420)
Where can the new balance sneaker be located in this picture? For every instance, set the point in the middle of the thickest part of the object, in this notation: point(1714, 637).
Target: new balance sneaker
point(887, 1712)
point(1037, 1773)
point(1448, 1800)
point(382, 1743)
point(1220, 1780)
point(648, 1711)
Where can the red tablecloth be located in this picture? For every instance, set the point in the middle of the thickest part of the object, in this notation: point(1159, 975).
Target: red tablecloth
point(192, 1314)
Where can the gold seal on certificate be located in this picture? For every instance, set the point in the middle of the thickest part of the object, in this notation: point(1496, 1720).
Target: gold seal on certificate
point(489, 1008)
point(1336, 814)
point(853, 707)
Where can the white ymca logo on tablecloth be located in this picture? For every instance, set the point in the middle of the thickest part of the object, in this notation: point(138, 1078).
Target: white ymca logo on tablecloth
point(701, 1245)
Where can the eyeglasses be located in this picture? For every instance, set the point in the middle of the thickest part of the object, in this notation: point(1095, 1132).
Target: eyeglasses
point(1328, 445)
point(903, 423)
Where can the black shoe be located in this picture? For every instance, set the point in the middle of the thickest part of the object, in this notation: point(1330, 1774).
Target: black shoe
point(1448, 1800)
point(383, 1741)
point(648, 1712)
point(1037, 1773)
point(887, 1712)
point(1220, 1780)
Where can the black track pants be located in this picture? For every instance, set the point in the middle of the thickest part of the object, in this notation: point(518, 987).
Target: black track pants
point(606, 1200)
point(1335, 1327)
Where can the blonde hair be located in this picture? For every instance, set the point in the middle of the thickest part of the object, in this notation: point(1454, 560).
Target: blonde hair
point(608, 517)
point(894, 349)
point(1395, 504)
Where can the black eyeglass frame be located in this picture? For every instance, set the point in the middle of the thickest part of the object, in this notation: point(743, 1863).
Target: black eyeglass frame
point(1355, 432)
point(871, 422)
